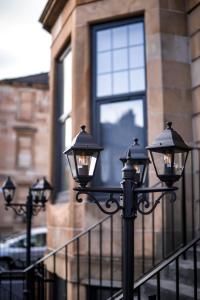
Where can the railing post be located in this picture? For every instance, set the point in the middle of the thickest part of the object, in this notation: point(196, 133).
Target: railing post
point(29, 291)
point(29, 208)
point(183, 211)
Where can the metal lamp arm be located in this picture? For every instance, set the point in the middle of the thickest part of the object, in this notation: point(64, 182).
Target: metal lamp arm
point(109, 203)
point(144, 206)
point(20, 209)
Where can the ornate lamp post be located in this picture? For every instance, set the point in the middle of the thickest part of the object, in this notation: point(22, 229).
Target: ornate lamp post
point(169, 154)
point(37, 197)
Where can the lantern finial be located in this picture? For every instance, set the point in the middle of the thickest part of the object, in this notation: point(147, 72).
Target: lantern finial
point(169, 125)
point(83, 128)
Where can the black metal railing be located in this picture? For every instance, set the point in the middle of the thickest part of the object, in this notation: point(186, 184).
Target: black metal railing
point(174, 278)
point(89, 266)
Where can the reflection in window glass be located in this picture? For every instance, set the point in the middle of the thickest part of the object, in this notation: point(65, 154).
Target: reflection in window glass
point(104, 62)
point(120, 59)
point(64, 119)
point(137, 80)
point(125, 124)
point(120, 82)
point(104, 40)
point(136, 34)
point(104, 84)
point(136, 57)
point(120, 37)
point(120, 48)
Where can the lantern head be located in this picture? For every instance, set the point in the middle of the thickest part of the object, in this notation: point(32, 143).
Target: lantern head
point(8, 188)
point(169, 154)
point(41, 191)
point(83, 156)
point(139, 161)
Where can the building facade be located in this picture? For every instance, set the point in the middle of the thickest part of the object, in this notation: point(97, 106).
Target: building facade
point(24, 138)
point(122, 68)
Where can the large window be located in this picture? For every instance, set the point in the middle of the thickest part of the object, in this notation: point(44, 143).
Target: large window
point(63, 134)
point(118, 92)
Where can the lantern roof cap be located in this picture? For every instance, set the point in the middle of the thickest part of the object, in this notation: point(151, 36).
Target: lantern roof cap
point(170, 139)
point(41, 185)
point(8, 184)
point(83, 141)
point(135, 152)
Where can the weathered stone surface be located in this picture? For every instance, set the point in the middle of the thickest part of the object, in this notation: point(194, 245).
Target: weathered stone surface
point(177, 5)
point(195, 73)
point(195, 46)
point(194, 21)
point(175, 48)
point(196, 100)
point(24, 113)
point(190, 4)
point(176, 75)
point(173, 22)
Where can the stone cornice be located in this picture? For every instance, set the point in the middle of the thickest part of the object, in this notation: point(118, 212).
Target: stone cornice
point(51, 12)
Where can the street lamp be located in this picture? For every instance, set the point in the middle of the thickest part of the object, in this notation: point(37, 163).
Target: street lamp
point(169, 145)
point(169, 154)
point(37, 197)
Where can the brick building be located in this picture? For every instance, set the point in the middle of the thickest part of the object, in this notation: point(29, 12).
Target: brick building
point(24, 138)
point(123, 68)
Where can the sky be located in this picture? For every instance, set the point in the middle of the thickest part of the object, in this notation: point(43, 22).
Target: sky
point(24, 44)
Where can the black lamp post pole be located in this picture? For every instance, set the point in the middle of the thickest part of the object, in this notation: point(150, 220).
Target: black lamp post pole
point(128, 229)
point(29, 209)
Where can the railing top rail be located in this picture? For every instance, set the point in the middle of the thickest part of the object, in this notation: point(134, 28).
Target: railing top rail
point(158, 268)
point(66, 244)
point(166, 262)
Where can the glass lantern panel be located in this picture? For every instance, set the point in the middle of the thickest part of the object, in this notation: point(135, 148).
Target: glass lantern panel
point(139, 171)
point(71, 160)
point(179, 162)
point(47, 194)
point(169, 163)
point(86, 163)
point(161, 163)
point(8, 194)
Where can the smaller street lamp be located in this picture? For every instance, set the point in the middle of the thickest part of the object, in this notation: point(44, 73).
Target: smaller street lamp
point(41, 191)
point(169, 154)
point(37, 197)
point(83, 156)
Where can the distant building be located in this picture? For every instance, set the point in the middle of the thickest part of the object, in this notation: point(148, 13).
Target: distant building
point(24, 138)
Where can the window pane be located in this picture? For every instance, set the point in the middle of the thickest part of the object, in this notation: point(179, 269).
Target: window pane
point(67, 83)
point(120, 82)
point(104, 40)
point(120, 59)
point(137, 80)
point(136, 34)
point(64, 134)
point(136, 57)
point(120, 49)
point(104, 62)
point(120, 37)
point(104, 85)
point(68, 133)
point(123, 125)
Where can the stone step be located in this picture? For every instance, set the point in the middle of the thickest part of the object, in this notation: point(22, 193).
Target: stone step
point(168, 290)
point(189, 253)
point(186, 271)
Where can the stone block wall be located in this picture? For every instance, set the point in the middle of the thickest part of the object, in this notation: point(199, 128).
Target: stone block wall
point(24, 141)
